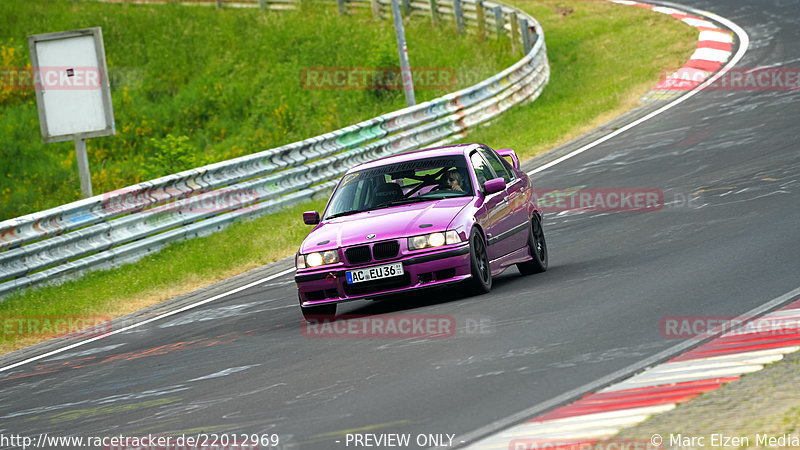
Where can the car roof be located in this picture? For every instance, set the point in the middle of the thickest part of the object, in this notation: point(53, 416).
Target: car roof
point(448, 150)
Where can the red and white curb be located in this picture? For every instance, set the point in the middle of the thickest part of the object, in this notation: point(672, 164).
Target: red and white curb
point(601, 415)
point(714, 49)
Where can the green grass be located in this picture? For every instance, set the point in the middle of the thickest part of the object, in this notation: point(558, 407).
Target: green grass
point(603, 58)
point(196, 85)
point(179, 268)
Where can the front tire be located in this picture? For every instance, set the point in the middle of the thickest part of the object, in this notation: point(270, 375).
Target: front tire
point(481, 281)
point(538, 248)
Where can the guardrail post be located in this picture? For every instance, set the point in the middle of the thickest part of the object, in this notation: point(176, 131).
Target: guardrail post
point(434, 13)
point(262, 4)
point(514, 32)
point(376, 9)
point(342, 8)
point(481, 20)
point(459, 15)
point(498, 21)
point(526, 36)
point(406, 8)
point(219, 4)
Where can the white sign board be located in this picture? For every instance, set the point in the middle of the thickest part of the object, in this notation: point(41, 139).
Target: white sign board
point(72, 89)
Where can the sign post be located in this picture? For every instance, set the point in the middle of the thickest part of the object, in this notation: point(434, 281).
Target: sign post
point(72, 91)
point(402, 50)
point(83, 167)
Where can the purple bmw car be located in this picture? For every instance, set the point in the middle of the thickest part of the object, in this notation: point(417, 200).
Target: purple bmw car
point(451, 215)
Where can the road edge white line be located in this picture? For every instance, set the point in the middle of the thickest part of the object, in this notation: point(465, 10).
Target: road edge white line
point(144, 322)
point(620, 374)
point(486, 430)
point(744, 44)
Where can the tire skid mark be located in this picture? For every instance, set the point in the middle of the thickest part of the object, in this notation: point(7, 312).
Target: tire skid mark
point(90, 361)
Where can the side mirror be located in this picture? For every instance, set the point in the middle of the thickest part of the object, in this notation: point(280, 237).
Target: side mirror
point(311, 217)
point(494, 185)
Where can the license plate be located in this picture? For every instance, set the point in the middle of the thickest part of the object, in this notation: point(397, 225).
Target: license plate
point(374, 273)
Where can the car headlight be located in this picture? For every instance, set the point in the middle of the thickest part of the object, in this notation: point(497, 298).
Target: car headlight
point(433, 240)
point(317, 259)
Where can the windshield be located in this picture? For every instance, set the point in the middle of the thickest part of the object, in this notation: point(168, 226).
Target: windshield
point(396, 184)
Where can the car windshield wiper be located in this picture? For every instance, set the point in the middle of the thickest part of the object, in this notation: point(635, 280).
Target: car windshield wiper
point(346, 213)
point(404, 201)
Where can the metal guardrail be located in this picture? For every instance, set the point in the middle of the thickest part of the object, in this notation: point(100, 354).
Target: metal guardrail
point(127, 224)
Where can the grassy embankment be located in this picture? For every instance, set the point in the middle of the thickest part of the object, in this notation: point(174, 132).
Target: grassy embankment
point(197, 85)
point(603, 58)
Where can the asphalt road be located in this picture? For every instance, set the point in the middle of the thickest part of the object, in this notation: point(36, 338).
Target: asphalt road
point(728, 240)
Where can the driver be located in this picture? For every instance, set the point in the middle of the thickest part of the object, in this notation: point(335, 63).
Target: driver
point(454, 180)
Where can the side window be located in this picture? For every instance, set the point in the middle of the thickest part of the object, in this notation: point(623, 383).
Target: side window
point(482, 169)
point(497, 164)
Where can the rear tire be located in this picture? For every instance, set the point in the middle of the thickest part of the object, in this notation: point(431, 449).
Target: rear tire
point(481, 281)
point(538, 248)
point(321, 312)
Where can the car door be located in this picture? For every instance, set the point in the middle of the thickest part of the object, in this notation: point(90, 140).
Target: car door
point(493, 214)
point(516, 233)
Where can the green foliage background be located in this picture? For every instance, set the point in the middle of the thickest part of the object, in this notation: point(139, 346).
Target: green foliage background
point(197, 85)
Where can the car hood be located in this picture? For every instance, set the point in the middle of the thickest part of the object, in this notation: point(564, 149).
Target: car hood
point(388, 223)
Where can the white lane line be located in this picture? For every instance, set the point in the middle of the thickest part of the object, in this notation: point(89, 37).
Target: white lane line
point(488, 432)
point(144, 322)
point(492, 434)
point(744, 43)
point(604, 424)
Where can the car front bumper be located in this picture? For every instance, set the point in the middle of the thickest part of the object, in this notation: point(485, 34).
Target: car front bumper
point(321, 286)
